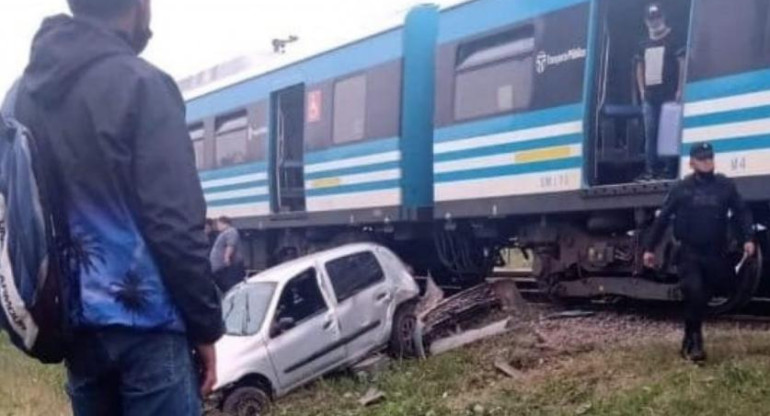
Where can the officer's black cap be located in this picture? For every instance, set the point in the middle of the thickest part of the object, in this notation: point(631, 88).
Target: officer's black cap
point(702, 151)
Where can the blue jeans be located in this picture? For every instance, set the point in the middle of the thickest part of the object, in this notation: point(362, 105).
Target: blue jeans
point(119, 372)
point(651, 126)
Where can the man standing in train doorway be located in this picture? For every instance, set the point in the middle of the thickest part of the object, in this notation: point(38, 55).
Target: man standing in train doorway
point(701, 205)
point(660, 75)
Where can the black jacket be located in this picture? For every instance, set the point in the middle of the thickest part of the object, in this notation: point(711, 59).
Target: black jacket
point(700, 208)
point(126, 165)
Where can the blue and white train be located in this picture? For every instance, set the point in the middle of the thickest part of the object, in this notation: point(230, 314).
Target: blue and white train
point(491, 124)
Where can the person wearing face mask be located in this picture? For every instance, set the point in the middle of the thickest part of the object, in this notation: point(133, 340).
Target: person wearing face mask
point(141, 293)
point(660, 75)
point(700, 206)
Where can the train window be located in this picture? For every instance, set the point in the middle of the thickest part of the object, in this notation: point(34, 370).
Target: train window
point(350, 109)
point(232, 139)
point(198, 134)
point(730, 43)
point(495, 74)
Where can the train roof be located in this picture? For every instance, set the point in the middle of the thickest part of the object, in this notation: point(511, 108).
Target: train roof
point(264, 62)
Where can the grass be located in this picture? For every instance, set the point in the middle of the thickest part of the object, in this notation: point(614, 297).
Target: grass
point(647, 379)
point(27, 388)
point(644, 379)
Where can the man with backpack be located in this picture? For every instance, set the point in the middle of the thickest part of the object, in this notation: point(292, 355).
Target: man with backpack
point(139, 295)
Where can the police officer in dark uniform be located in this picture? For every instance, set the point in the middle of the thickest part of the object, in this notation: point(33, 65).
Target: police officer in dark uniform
point(700, 205)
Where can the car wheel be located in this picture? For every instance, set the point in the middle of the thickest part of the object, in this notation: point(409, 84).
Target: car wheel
point(246, 401)
point(402, 334)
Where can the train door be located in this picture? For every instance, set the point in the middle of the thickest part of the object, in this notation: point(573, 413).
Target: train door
point(640, 61)
point(287, 154)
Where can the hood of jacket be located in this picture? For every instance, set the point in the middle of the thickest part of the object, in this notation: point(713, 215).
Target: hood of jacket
point(62, 50)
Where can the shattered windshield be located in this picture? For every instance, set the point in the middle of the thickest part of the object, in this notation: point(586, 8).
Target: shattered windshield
point(245, 308)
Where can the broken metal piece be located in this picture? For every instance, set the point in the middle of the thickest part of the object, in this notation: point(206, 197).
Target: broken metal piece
point(369, 367)
point(465, 306)
point(570, 315)
point(372, 396)
point(441, 321)
point(454, 342)
point(507, 369)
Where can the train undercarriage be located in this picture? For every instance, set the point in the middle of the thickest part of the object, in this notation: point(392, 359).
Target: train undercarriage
point(601, 257)
point(571, 256)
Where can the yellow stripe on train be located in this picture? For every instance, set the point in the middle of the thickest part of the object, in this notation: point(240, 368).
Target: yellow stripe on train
point(542, 155)
point(326, 183)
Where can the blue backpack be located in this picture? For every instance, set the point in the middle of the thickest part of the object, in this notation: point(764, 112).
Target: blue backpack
point(32, 287)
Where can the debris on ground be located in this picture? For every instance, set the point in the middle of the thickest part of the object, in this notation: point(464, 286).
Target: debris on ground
point(457, 309)
point(510, 297)
point(507, 369)
point(369, 367)
point(372, 396)
point(469, 307)
point(571, 314)
point(468, 337)
point(433, 296)
point(583, 409)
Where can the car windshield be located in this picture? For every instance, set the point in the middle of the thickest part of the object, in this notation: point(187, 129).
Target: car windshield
point(244, 308)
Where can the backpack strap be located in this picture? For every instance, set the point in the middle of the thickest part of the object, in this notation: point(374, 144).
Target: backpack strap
point(46, 165)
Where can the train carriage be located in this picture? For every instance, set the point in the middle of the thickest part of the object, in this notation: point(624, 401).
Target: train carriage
point(318, 141)
point(487, 125)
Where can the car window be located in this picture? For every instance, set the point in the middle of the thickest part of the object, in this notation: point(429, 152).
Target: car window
point(245, 307)
point(352, 274)
point(301, 299)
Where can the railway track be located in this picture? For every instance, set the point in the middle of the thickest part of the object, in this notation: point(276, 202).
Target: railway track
point(757, 310)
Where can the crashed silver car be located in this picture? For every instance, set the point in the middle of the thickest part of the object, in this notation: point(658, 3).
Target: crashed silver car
point(298, 321)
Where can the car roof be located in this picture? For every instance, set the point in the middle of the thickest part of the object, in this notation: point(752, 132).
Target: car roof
point(285, 271)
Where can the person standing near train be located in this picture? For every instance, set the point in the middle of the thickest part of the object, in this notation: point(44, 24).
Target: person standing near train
point(226, 256)
point(660, 77)
point(701, 205)
point(143, 294)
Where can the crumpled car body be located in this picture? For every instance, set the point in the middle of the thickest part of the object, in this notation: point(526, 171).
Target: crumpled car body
point(294, 323)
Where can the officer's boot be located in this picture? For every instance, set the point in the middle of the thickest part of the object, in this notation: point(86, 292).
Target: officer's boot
point(686, 346)
point(697, 353)
point(687, 343)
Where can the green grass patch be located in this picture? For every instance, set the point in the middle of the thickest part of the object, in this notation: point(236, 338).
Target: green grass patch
point(28, 388)
point(648, 379)
point(645, 379)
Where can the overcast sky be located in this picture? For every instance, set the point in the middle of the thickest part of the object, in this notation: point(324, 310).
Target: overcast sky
point(191, 35)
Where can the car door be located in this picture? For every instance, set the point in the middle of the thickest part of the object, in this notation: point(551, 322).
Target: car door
point(363, 298)
point(311, 345)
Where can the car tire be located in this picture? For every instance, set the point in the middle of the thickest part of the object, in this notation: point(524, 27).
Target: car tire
point(402, 338)
point(246, 401)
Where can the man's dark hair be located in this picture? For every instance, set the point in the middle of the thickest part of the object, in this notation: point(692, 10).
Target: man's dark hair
point(105, 9)
point(225, 220)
